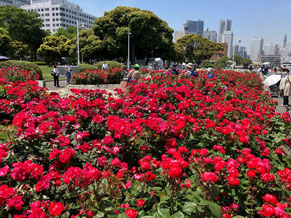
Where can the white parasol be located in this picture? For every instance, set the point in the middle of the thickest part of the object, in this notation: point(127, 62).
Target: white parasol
point(272, 80)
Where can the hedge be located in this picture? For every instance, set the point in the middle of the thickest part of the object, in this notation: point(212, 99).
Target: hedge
point(24, 65)
point(98, 66)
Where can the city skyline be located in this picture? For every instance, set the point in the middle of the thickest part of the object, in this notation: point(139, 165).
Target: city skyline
point(261, 18)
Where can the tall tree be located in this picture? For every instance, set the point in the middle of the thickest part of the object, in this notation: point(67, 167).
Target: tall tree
point(90, 46)
point(150, 36)
point(22, 26)
point(54, 48)
point(70, 32)
point(197, 48)
point(5, 42)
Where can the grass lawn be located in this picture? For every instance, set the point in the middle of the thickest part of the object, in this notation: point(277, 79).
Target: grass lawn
point(46, 72)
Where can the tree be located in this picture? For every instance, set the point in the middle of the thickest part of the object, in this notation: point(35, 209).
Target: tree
point(54, 48)
point(90, 46)
point(222, 62)
point(22, 26)
point(241, 61)
point(70, 32)
point(5, 42)
point(197, 49)
point(150, 36)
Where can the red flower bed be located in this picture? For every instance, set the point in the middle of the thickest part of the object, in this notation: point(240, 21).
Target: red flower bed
point(169, 148)
point(16, 74)
point(95, 77)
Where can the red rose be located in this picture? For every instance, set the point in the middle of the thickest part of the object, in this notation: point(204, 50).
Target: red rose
point(175, 171)
point(209, 177)
point(233, 180)
point(131, 213)
point(251, 173)
point(270, 199)
point(116, 162)
point(56, 208)
point(140, 202)
point(267, 210)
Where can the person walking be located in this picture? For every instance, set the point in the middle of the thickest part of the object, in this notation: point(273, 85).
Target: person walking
point(68, 74)
point(55, 74)
point(287, 89)
point(134, 75)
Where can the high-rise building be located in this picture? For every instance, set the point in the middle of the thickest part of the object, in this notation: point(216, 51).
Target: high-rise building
point(16, 3)
point(256, 48)
point(194, 27)
point(227, 37)
point(178, 35)
point(57, 14)
point(243, 52)
point(210, 35)
point(224, 25)
point(236, 49)
point(271, 49)
point(285, 41)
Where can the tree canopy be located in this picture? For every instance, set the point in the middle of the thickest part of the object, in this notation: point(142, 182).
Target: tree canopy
point(150, 36)
point(22, 26)
point(197, 48)
point(70, 32)
point(54, 48)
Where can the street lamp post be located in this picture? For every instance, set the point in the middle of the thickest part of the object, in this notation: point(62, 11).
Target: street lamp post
point(128, 51)
point(78, 41)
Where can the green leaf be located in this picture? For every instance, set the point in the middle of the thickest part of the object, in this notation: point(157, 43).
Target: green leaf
point(100, 214)
point(215, 209)
point(164, 212)
point(238, 216)
point(122, 215)
point(179, 214)
point(189, 207)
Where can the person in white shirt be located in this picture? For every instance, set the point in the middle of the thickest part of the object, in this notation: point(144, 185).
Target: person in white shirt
point(55, 74)
point(105, 66)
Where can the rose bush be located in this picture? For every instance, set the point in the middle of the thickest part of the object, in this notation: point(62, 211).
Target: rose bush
point(170, 147)
point(95, 77)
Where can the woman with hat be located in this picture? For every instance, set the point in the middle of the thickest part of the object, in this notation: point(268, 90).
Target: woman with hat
point(192, 72)
point(134, 75)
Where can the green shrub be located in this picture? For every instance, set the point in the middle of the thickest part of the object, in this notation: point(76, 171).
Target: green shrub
point(24, 65)
point(98, 66)
point(39, 62)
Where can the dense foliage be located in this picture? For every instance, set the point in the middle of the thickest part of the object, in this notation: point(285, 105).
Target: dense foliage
point(98, 66)
point(169, 147)
point(23, 27)
point(23, 65)
point(16, 74)
point(94, 77)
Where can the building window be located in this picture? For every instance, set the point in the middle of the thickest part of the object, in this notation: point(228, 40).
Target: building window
point(47, 20)
point(42, 9)
point(47, 15)
point(57, 19)
point(47, 25)
point(47, 9)
point(54, 24)
point(53, 9)
point(57, 24)
point(57, 14)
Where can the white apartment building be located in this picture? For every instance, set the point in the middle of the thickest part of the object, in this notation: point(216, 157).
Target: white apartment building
point(210, 35)
point(16, 3)
point(178, 35)
point(227, 37)
point(271, 49)
point(256, 48)
point(57, 14)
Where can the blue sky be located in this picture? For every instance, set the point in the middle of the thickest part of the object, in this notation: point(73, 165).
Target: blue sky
point(268, 19)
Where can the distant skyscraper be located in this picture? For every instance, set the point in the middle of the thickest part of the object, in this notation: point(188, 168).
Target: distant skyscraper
point(194, 27)
point(271, 49)
point(227, 37)
point(224, 25)
point(236, 49)
point(178, 35)
point(285, 41)
point(16, 3)
point(256, 48)
point(210, 35)
point(243, 52)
